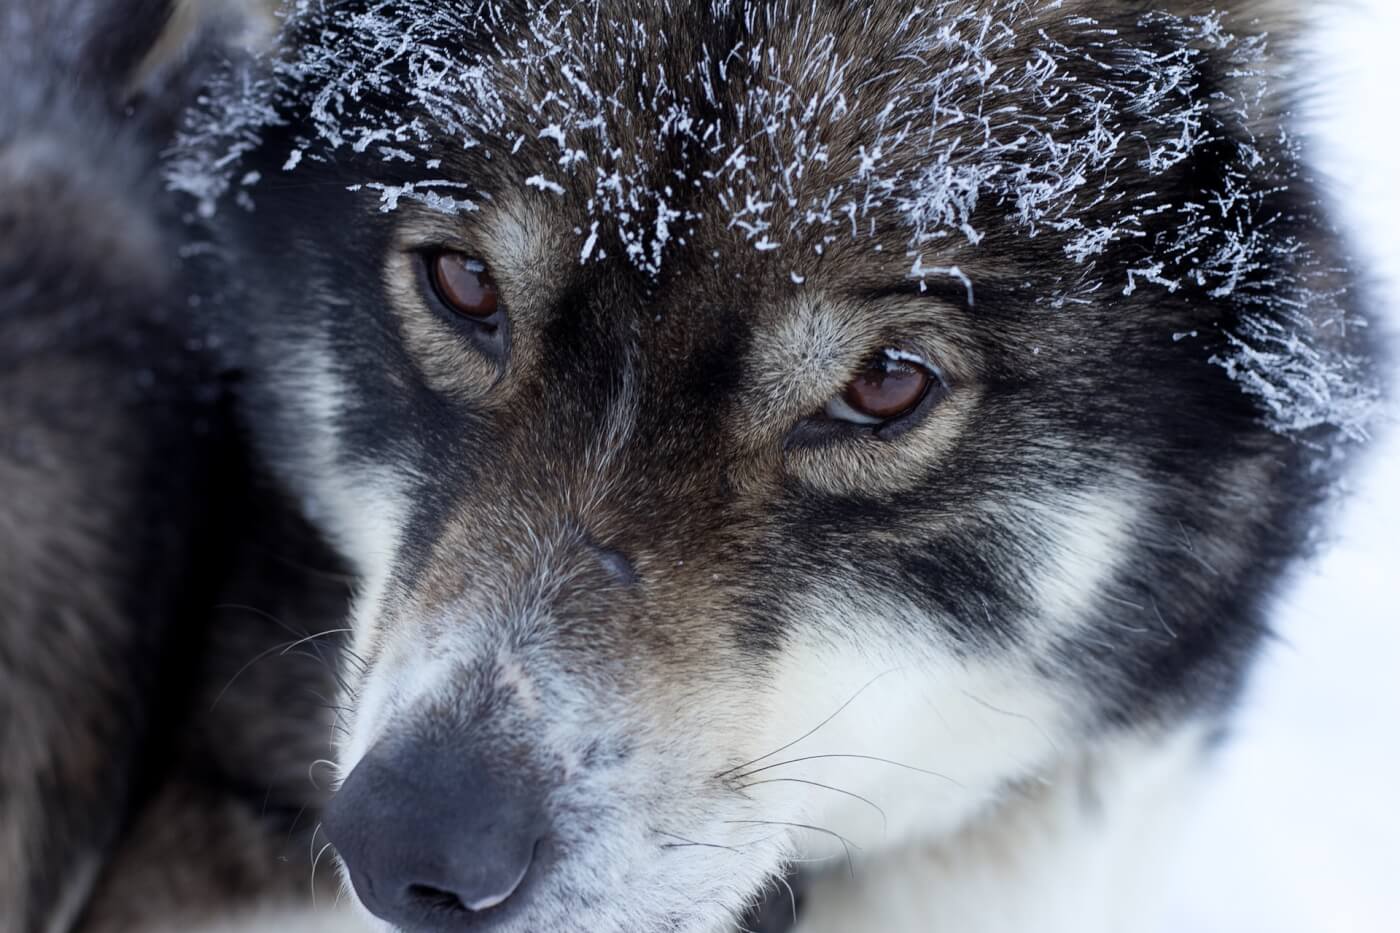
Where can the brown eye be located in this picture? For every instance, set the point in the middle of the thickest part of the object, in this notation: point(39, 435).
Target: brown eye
point(887, 388)
point(463, 284)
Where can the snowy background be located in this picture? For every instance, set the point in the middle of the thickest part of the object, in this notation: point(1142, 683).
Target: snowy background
point(1301, 831)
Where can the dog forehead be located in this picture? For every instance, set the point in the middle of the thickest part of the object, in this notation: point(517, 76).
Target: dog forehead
point(719, 288)
point(1086, 151)
point(761, 140)
point(791, 129)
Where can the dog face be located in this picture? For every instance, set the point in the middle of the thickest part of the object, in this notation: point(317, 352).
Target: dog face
point(762, 428)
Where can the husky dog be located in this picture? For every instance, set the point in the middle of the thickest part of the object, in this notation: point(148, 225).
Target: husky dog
point(862, 437)
point(823, 445)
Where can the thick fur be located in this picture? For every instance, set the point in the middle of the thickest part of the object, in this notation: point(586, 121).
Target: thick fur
point(954, 671)
point(828, 641)
point(96, 410)
point(125, 520)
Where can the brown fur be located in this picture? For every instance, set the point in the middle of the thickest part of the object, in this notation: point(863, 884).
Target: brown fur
point(601, 435)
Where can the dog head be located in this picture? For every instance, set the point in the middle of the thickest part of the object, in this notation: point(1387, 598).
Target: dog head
point(763, 427)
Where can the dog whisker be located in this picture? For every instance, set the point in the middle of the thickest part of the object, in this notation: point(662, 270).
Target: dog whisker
point(244, 669)
point(684, 843)
point(311, 638)
point(792, 896)
point(314, 863)
point(811, 859)
point(284, 649)
point(884, 817)
point(846, 844)
point(1014, 715)
point(696, 845)
point(875, 758)
point(839, 710)
point(291, 830)
point(269, 617)
point(311, 770)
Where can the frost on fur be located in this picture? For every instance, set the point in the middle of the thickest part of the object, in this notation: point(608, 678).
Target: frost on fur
point(955, 144)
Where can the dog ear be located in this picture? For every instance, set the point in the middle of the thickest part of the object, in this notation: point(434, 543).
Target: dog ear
point(122, 36)
point(148, 58)
point(154, 55)
point(137, 57)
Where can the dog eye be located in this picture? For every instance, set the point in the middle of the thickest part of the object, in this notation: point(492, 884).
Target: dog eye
point(888, 387)
point(463, 284)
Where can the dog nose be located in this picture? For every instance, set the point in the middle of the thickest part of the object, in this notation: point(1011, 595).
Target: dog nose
point(434, 840)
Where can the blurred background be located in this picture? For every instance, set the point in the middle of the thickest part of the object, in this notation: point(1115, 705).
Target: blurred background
point(1300, 832)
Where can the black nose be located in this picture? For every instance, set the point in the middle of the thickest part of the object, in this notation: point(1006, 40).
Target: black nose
point(434, 840)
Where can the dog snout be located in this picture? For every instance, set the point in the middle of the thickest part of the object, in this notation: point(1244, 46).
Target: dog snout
point(436, 839)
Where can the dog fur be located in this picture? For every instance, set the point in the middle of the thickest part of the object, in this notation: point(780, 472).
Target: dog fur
point(958, 672)
point(100, 476)
point(133, 584)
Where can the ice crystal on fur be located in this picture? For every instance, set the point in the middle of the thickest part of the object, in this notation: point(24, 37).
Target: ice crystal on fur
point(956, 144)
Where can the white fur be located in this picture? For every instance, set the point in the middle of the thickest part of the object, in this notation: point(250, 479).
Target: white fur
point(1086, 534)
point(1049, 862)
point(978, 725)
point(904, 746)
point(342, 920)
point(363, 511)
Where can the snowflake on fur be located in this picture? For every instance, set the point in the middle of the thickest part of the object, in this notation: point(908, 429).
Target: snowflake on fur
point(984, 117)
